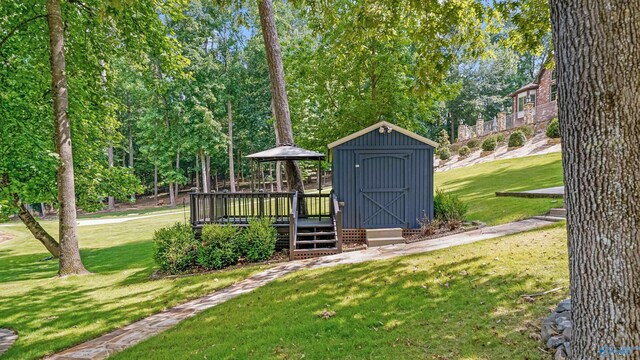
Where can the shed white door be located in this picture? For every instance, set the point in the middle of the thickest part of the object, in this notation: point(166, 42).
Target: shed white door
point(383, 188)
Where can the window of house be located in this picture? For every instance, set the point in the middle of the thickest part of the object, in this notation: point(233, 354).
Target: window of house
point(554, 92)
point(532, 96)
point(553, 74)
point(521, 100)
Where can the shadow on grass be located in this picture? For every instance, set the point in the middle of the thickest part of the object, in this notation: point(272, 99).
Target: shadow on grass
point(413, 307)
point(101, 260)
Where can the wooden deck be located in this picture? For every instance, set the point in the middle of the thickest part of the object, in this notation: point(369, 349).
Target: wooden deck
point(311, 222)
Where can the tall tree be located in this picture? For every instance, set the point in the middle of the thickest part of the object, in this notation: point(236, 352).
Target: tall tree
point(70, 262)
point(597, 43)
point(279, 91)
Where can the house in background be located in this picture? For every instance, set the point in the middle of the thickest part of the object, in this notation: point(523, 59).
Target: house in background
point(541, 92)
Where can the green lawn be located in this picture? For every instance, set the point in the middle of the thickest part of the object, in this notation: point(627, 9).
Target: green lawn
point(51, 314)
point(477, 184)
point(459, 303)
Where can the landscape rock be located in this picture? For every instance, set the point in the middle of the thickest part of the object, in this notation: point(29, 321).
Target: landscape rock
point(555, 341)
point(560, 354)
point(565, 305)
point(557, 329)
point(564, 324)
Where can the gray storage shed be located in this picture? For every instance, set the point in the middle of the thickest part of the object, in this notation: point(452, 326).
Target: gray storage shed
point(384, 177)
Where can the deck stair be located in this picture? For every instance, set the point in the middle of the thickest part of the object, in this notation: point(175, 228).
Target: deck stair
point(381, 237)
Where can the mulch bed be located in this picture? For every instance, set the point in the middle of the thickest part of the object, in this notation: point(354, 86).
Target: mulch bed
point(442, 232)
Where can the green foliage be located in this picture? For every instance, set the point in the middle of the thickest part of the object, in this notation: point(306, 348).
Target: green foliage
point(527, 131)
point(517, 139)
point(490, 143)
point(259, 240)
point(448, 207)
point(464, 151)
point(217, 248)
point(473, 144)
point(500, 138)
point(444, 154)
point(553, 129)
point(175, 248)
point(443, 139)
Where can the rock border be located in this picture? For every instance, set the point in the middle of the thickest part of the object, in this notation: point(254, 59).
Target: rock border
point(557, 329)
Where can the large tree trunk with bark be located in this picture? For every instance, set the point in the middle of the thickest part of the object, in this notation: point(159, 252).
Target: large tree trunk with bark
point(70, 262)
point(279, 91)
point(232, 174)
point(597, 44)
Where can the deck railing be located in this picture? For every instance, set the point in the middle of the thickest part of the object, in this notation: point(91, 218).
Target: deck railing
point(238, 208)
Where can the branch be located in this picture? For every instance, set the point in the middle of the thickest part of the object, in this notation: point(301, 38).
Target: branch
point(17, 27)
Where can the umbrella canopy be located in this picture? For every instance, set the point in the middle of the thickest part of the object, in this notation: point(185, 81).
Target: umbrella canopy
point(286, 152)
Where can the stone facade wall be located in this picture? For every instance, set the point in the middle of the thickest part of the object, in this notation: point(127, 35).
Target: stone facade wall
point(545, 108)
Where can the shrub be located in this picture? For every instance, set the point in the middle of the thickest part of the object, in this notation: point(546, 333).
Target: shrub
point(527, 131)
point(464, 151)
point(473, 144)
point(217, 247)
point(500, 138)
point(175, 248)
point(444, 154)
point(448, 208)
point(517, 139)
point(489, 144)
point(553, 129)
point(454, 148)
point(260, 240)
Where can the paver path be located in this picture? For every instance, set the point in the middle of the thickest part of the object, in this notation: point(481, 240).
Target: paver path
point(7, 338)
point(132, 334)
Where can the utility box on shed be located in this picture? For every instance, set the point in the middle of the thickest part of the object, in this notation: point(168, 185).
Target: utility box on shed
point(384, 176)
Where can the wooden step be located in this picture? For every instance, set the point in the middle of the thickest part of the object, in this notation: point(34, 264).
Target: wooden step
point(385, 241)
point(317, 233)
point(311, 242)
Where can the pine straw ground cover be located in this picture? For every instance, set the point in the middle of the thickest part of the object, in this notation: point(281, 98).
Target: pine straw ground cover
point(465, 302)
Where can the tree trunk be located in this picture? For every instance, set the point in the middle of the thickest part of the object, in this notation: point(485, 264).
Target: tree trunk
point(172, 195)
point(177, 185)
point(597, 45)
point(130, 130)
point(36, 230)
point(209, 174)
point(232, 175)
point(197, 174)
point(205, 181)
point(111, 201)
point(70, 262)
point(155, 181)
point(278, 91)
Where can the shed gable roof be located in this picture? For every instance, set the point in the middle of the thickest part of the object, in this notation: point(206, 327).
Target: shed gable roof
point(377, 126)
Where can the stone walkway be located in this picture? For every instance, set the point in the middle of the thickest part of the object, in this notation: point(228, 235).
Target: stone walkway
point(118, 340)
point(7, 338)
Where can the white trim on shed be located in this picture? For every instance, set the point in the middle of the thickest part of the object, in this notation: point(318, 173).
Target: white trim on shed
point(379, 125)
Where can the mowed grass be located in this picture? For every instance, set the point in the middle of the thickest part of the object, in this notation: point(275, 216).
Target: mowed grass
point(476, 185)
point(51, 314)
point(458, 303)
